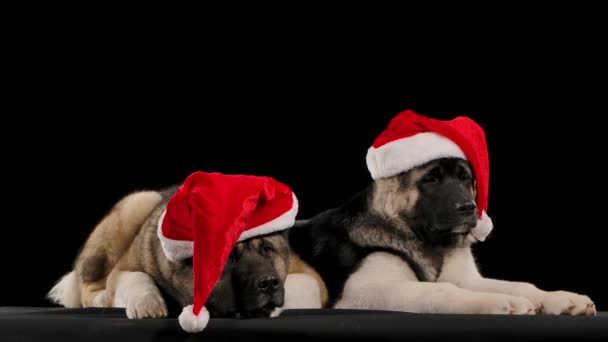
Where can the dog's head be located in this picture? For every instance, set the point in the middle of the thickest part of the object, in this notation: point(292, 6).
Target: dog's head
point(436, 199)
point(252, 282)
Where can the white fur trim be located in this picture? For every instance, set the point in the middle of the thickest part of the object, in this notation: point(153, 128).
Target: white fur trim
point(191, 323)
point(282, 222)
point(483, 228)
point(404, 154)
point(175, 250)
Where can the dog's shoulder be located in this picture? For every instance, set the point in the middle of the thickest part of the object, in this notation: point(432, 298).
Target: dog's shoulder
point(324, 242)
point(328, 227)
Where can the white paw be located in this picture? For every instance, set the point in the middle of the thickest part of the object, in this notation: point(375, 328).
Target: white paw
point(501, 304)
point(565, 303)
point(276, 312)
point(100, 299)
point(147, 305)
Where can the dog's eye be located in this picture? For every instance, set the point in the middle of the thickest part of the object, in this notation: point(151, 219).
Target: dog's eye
point(187, 261)
point(267, 249)
point(430, 179)
point(464, 176)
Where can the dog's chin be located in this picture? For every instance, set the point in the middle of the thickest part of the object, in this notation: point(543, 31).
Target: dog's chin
point(463, 228)
point(260, 312)
point(450, 229)
point(262, 306)
point(448, 234)
point(255, 311)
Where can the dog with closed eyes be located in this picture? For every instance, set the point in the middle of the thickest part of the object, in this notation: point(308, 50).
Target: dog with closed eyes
point(405, 242)
point(150, 241)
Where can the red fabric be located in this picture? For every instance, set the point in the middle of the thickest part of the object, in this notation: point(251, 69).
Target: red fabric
point(463, 131)
point(404, 125)
point(213, 210)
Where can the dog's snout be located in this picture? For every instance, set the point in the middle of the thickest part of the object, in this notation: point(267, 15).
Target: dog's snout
point(268, 284)
point(466, 209)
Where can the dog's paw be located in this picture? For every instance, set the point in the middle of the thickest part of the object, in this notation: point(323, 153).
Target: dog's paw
point(564, 303)
point(147, 305)
point(276, 312)
point(504, 305)
point(100, 299)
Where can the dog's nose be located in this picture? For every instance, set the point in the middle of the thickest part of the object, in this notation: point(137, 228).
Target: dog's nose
point(268, 284)
point(466, 209)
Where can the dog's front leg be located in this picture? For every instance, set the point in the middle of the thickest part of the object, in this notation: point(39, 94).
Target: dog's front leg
point(385, 282)
point(93, 294)
point(460, 269)
point(136, 292)
point(302, 291)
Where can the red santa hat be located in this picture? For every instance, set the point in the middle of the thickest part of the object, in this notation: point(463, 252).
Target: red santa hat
point(411, 140)
point(205, 219)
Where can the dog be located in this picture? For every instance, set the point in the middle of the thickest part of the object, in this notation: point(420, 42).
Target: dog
point(404, 244)
point(122, 264)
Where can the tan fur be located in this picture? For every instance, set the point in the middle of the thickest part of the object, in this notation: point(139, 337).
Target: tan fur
point(114, 233)
point(90, 290)
point(145, 255)
point(108, 241)
point(297, 265)
point(391, 203)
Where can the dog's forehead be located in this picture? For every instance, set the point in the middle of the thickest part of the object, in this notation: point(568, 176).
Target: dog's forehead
point(255, 242)
point(464, 164)
point(419, 171)
point(422, 169)
point(278, 240)
point(444, 163)
point(275, 239)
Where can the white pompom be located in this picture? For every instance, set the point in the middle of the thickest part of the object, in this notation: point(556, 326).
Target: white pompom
point(191, 323)
point(483, 228)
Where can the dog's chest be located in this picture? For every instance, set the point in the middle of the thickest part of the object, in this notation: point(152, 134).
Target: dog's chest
point(434, 257)
point(433, 262)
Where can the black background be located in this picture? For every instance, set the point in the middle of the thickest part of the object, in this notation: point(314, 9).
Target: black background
point(101, 105)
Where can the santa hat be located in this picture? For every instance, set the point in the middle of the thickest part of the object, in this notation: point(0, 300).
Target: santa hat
point(205, 219)
point(411, 140)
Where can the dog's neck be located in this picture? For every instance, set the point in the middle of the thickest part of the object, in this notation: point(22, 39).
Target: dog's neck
point(385, 208)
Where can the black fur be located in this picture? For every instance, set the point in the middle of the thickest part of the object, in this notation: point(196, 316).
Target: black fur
point(93, 268)
point(324, 243)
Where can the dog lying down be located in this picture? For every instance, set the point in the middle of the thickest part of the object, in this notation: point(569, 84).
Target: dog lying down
point(405, 242)
point(122, 264)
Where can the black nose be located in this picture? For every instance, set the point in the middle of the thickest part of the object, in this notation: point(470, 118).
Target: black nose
point(466, 209)
point(268, 284)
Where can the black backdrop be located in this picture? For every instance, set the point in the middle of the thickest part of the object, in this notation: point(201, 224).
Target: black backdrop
point(101, 107)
